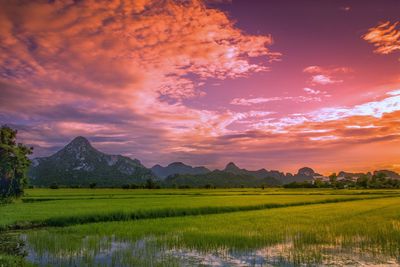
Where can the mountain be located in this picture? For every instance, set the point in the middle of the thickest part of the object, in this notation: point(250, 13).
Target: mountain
point(388, 174)
point(219, 179)
point(304, 174)
point(79, 164)
point(232, 168)
point(306, 171)
point(177, 168)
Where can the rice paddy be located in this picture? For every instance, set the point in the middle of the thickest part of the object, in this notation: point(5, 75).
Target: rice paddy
point(247, 227)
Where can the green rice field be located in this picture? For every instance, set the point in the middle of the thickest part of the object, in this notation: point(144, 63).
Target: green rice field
point(202, 227)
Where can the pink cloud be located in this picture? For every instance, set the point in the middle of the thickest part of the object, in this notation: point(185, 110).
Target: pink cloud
point(323, 79)
point(263, 100)
point(162, 43)
point(133, 58)
point(326, 70)
point(325, 75)
point(346, 8)
point(313, 91)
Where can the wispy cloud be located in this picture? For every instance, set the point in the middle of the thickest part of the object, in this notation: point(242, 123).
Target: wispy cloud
point(325, 75)
point(385, 37)
point(263, 100)
point(314, 69)
point(394, 92)
point(323, 79)
point(346, 8)
point(374, 109)
point(313, 91)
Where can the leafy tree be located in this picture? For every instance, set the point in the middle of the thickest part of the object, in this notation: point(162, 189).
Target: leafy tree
point(150, 184)
point(333, 179)
point(134, 186)
point(125, 186)
point(363, 181)
point(54, 186)
point(14, 164)
point(207, 186)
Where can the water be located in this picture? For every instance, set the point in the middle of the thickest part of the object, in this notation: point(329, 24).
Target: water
point(54, 250)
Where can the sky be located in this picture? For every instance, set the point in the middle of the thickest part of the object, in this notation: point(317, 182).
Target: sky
point(263, 83)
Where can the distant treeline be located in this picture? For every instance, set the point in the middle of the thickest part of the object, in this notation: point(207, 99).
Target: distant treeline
point(220, 179)
point(214, 179)
point(375, 181)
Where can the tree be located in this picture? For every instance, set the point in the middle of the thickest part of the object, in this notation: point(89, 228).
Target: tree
point(363, 181)
point(14, 164)
point(150, 184)
point(53, 186)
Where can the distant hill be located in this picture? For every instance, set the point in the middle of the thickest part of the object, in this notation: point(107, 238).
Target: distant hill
point(218, 178)
point(304, 174)
point(177, 168)
point(79, 164)
point(179, 174)
point(389, 174)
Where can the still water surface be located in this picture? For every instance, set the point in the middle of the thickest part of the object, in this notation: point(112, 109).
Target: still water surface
point(150, 251)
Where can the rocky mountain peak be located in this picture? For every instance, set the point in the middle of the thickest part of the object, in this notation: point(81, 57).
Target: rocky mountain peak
point(79, 162)
point(232, 168)
point(306, 171)
point(79, 141)
point(78, 148)
point(177, 168)
point(177, 164)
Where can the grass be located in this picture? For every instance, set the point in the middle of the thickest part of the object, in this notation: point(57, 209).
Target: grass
point(114, 227)
point(75, 206)
point(368, 227)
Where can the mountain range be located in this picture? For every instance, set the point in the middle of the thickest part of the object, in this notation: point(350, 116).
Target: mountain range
point(177, 168)
point(80, 164)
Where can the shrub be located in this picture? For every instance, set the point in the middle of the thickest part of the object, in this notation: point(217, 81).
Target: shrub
point(54, 186)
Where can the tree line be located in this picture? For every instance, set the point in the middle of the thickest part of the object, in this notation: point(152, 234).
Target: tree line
point(365, 181)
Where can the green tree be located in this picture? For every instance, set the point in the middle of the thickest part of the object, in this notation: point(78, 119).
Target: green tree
point(14, 164)
point(363, 181)
point(150, 184)
point(333, 178)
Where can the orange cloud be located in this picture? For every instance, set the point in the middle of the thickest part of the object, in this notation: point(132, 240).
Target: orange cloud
point(385, 37)
point(357, 143)
point(130, 52)
point(120, 67)
point(107, 48)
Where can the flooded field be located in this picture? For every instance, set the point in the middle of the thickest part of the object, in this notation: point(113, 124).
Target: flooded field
point(206, 228)
point(108, 251)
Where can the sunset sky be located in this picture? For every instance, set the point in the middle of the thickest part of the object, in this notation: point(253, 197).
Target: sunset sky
point(266, 84)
